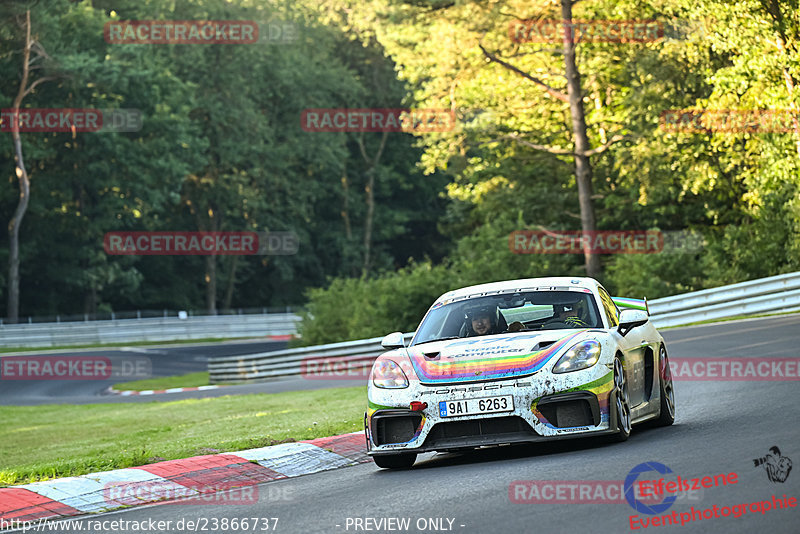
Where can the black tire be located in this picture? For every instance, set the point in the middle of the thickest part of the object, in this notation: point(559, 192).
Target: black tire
point(395, 461)
point(622, 405)
point(667, 411)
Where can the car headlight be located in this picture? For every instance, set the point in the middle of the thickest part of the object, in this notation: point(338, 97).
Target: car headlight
point(581, 356)
point(387, 374)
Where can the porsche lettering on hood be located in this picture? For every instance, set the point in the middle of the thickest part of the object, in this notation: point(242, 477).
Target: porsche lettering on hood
point(487, 359)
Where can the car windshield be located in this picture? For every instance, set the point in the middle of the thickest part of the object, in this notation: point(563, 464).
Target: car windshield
point(510, 312)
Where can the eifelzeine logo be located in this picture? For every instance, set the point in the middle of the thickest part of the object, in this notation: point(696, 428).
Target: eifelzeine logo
point(777, 466)
point(377, 120)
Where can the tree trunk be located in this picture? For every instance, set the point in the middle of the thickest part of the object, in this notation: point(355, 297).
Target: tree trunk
point(211, 284)
point(211, 265)
point(12, 311)
point(583, 168)
point(226, 303)
point(369, 189)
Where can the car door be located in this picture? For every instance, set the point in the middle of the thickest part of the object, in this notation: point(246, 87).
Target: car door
point(632, 347)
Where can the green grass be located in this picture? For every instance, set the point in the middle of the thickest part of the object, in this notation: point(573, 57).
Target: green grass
point(165, 382)
point(49, 441)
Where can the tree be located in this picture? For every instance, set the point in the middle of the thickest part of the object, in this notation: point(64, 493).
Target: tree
point(26, 87)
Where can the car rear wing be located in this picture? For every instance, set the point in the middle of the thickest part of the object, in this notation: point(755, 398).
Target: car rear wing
point(635, 304)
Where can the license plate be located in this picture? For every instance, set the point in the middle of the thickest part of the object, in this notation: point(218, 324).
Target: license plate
point(504, 403)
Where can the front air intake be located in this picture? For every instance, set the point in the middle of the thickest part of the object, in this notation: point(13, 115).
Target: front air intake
point(396, 427)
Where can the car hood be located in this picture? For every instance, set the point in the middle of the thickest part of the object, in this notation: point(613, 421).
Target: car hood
point(491, 357)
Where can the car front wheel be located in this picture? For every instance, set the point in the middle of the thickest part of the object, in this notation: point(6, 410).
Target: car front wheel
point(622, 407)
point(667, 415)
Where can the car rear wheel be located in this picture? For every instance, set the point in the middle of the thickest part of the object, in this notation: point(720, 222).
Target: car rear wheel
point(622, 406)
point(395, 461)
point(667, 415)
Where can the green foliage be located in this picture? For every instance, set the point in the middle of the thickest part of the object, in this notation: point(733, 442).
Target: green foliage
point(221, 148)
point(353, 308)
point(739, 191)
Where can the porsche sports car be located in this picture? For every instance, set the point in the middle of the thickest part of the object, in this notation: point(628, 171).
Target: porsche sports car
point(518, 361)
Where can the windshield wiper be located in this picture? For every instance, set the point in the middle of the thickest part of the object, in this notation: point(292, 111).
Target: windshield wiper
point(440, 339)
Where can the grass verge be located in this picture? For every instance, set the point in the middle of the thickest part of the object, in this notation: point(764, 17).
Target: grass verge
point(50, 441)
point(165, 382)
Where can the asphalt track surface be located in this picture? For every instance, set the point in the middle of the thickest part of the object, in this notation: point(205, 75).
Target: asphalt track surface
point(160, 360)
point(720, 427)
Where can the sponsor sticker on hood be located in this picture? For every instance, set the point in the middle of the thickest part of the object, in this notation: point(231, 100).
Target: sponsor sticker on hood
point(496, 357)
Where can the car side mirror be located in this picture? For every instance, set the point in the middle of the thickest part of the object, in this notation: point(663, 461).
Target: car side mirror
point(393, 341)
point(630, 319)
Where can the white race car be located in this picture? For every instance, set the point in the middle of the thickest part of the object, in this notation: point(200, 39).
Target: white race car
point(518, 361)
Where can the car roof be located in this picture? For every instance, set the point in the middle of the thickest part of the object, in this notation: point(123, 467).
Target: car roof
point(523, 283)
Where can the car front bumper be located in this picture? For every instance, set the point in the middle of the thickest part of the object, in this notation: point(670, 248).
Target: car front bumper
point(546, 406)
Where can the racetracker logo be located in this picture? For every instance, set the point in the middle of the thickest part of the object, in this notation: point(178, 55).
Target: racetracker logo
point(74, 367)
point(200, 243)
point(735, 369)
point(582, 491)
point(135, 493)
point(377, 120)
point(335, 369)
point(730, 121)
point(70, 120)
point(181, 32)
point(605, 31)
point(577, 242)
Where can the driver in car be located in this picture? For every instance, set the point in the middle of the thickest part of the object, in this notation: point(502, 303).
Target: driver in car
point(569, 314)
point(482, 320)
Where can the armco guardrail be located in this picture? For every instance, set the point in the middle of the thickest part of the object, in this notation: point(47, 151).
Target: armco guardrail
point(348, 356)
point(774, 294)
point(777, 293)
point(152, 329)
